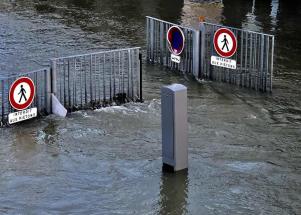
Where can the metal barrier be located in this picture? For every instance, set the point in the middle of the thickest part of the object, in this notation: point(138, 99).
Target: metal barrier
point(90, 80)
point(254, 56)
point(41, 79)
point(82, 81)
point(157, 47)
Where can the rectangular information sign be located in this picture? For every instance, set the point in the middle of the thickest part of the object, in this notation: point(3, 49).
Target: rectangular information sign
point(223, 62)
point(175, 58)
point(22, 115)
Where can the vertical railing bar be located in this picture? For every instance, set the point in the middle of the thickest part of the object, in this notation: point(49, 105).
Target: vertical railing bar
point(261, 61)
point(129, 71)
point(74, 84)
point(37, 90)
point(91, 84)
point(103, 77)
point(111, 70)
point(69, 88)
point(272, 64)
point(65, 93)
point(99, 77)
point(267, 62)
point(119, 72)
point(147, 41)
point(241, 58)
point(256, 61)
point(3, 99)
point(114, 76)
point(140, 76)
point(46, 90)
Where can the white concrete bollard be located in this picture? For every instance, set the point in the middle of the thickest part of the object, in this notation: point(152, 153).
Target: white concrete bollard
point(174, 127)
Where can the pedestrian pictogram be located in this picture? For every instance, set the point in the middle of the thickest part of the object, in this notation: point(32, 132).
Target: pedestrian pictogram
point(225, 42)
point(175, 40)
point(22, 93)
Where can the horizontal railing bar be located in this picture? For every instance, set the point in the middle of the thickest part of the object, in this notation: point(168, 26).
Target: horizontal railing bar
point(95, 53)
point(238, 29)
point(170, 23)
point(24, 73)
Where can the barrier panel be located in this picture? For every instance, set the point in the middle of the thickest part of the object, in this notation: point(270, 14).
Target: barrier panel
point(254, 58)
point(250, 65)
point(87, 80)
point(81, 81)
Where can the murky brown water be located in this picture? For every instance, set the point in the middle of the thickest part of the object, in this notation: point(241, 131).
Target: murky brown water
point(245, 147)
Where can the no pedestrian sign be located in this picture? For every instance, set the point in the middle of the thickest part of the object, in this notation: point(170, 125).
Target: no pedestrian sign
point(21, 96)
point(225, 42)
point(225, 45)
point(21, 93)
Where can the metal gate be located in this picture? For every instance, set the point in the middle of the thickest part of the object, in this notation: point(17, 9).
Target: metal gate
point(254, 56)
point(87, 80)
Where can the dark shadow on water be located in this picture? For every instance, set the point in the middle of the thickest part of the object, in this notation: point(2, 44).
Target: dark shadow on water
point(174, 193)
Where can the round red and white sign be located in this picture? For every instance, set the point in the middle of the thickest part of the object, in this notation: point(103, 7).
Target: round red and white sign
point(21, 93)
point(225, 42)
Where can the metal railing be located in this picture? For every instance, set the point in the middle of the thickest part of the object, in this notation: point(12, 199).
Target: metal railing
point(41, 78)
point(254, 57)
point(157, 47)
point(82, 81)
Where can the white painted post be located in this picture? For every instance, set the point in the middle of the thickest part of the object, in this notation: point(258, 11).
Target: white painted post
point(202, 72)
point(196, 53)
point(174, 127)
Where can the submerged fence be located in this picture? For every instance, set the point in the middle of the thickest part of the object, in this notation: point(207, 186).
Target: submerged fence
point(82, 81)
point(254, 56)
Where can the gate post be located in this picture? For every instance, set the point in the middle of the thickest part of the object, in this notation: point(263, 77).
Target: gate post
point(202, 73)
point(196, 53)
point(140, 76)
point(53, 77)
point(52, 85)
point(48, 91)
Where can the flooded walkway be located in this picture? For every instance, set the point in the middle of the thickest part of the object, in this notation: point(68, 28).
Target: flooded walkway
point(244, 147)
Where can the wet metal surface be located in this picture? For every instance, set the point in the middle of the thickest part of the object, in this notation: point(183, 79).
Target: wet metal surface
point(244, 147)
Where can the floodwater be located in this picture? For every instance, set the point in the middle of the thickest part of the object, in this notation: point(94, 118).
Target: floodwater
point(244, 147)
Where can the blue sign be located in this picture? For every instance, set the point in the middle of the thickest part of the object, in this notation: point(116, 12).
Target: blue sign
point(176, 40)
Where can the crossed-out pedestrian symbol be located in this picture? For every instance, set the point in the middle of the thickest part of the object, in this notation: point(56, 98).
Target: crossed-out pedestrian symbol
point(23, 94)
point(225, 41)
